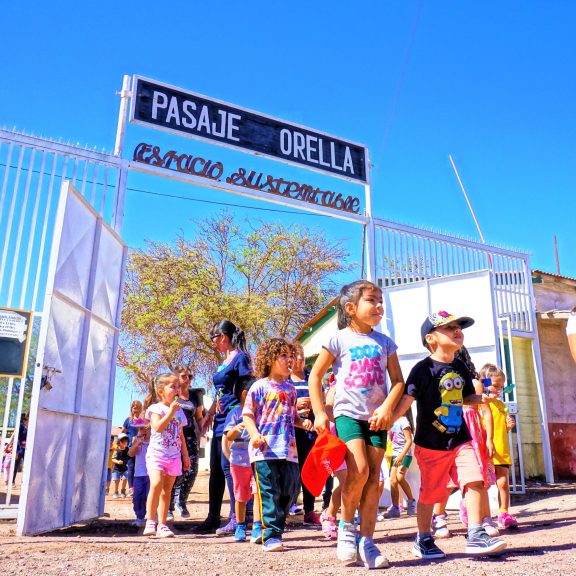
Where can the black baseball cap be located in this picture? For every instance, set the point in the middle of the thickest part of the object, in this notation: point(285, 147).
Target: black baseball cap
point(441, 318)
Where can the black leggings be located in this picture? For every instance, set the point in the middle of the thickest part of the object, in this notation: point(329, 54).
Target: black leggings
point(304, 444)
point(183, 485)
point(220, 477)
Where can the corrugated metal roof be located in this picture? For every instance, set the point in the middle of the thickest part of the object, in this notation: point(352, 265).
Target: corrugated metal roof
point(542, 273)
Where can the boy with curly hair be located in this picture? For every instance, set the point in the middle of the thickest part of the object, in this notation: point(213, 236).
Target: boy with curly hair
point(269, 416)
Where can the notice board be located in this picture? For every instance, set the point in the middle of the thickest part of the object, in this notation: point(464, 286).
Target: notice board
point(15, 330)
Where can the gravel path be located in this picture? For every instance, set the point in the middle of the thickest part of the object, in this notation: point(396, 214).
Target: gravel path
point(544, 544)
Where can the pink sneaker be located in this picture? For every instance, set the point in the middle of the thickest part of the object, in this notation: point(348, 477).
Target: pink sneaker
point(329, 526)
point(506, 520)
point(312, 519)
point(463, 512)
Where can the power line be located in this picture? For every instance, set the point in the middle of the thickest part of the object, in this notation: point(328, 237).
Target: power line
point(88, 181)
point(223, 203)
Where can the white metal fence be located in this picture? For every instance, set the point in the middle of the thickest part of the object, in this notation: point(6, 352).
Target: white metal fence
point(32, 170)
point(406, 254)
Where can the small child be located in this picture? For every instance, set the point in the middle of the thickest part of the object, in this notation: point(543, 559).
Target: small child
point(167, 453)
point(328, 516)
point(502, 459)
point(111, 449)
point(363, 410)
point(244, 484)
point(120, 469)
point(6, 461)
point(270, 415)
point(441, 384)
point(141, 483)
point(401, 439)
point(481, 433)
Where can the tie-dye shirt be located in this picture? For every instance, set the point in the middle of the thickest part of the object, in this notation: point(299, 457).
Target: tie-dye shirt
point(397, 437)
point(359, 371)
point(273, 407)
point(166, 444)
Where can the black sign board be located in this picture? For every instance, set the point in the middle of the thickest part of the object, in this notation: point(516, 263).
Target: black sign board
point(176, 110)
point(15, 330)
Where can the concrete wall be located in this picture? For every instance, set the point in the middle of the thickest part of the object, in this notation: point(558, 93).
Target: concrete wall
point(560, 385)
point(559, 371)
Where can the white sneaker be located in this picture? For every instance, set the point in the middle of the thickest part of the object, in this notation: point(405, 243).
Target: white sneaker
point(370, 555)
point(346, 549)
point(440, 526)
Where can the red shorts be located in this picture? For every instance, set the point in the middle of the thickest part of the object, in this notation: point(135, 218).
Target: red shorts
point(438, 467)
point(244, 484)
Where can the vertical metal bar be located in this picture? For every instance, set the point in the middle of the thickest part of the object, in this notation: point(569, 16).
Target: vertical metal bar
point(23, 209)
point(410, 257)
point(104, 192)
point(405, 258)
point(40, 263)
point(383, 256)
point(11, 216)
point(388, 274)
point(74, 172)
point(516, 294)
point(84, 177)
point(94, 181)
point(118, 213)
point(5, 182)
point(32, 234)
point(395, 237)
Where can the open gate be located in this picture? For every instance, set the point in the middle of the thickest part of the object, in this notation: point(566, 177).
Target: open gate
point(68, 443)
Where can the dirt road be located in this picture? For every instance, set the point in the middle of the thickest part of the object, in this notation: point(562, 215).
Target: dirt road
point(544, 544)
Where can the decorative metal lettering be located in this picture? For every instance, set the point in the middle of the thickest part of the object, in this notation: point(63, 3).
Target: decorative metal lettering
point(197, 166)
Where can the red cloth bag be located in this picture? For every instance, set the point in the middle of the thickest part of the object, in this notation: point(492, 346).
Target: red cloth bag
point(326, 455)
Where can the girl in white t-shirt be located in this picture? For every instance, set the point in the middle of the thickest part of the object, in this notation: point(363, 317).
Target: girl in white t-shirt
point(167, 453)
point(363, 408)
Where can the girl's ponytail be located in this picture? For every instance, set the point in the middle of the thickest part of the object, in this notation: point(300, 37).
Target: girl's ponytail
point(235, 334)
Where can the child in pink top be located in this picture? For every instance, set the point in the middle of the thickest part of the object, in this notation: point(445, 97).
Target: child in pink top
point(167, 453)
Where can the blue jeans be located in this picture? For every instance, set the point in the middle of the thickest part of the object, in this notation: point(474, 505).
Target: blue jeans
point(141, 488)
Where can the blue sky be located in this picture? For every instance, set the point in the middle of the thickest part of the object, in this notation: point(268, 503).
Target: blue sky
point(491, 83)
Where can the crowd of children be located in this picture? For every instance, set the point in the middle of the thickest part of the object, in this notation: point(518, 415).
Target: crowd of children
point(460, 440)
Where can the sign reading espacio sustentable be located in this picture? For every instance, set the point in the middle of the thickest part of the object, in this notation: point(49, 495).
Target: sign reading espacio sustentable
point(183, 112)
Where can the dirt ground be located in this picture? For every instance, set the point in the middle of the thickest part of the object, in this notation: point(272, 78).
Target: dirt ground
point(544, 544)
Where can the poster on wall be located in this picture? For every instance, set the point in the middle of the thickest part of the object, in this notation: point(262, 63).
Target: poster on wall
point(15, 330)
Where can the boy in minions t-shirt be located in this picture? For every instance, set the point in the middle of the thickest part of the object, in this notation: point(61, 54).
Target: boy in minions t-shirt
point(440, 385)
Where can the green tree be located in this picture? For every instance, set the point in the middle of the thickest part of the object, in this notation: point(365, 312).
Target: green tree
point(267, 278)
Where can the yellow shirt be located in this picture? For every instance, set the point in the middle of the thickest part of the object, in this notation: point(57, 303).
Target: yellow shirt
point(501, 444)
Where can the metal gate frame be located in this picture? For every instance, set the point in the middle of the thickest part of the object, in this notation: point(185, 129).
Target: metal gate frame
point(32, 170)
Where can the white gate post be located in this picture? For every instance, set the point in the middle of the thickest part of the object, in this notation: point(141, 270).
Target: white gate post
point(370, 241)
